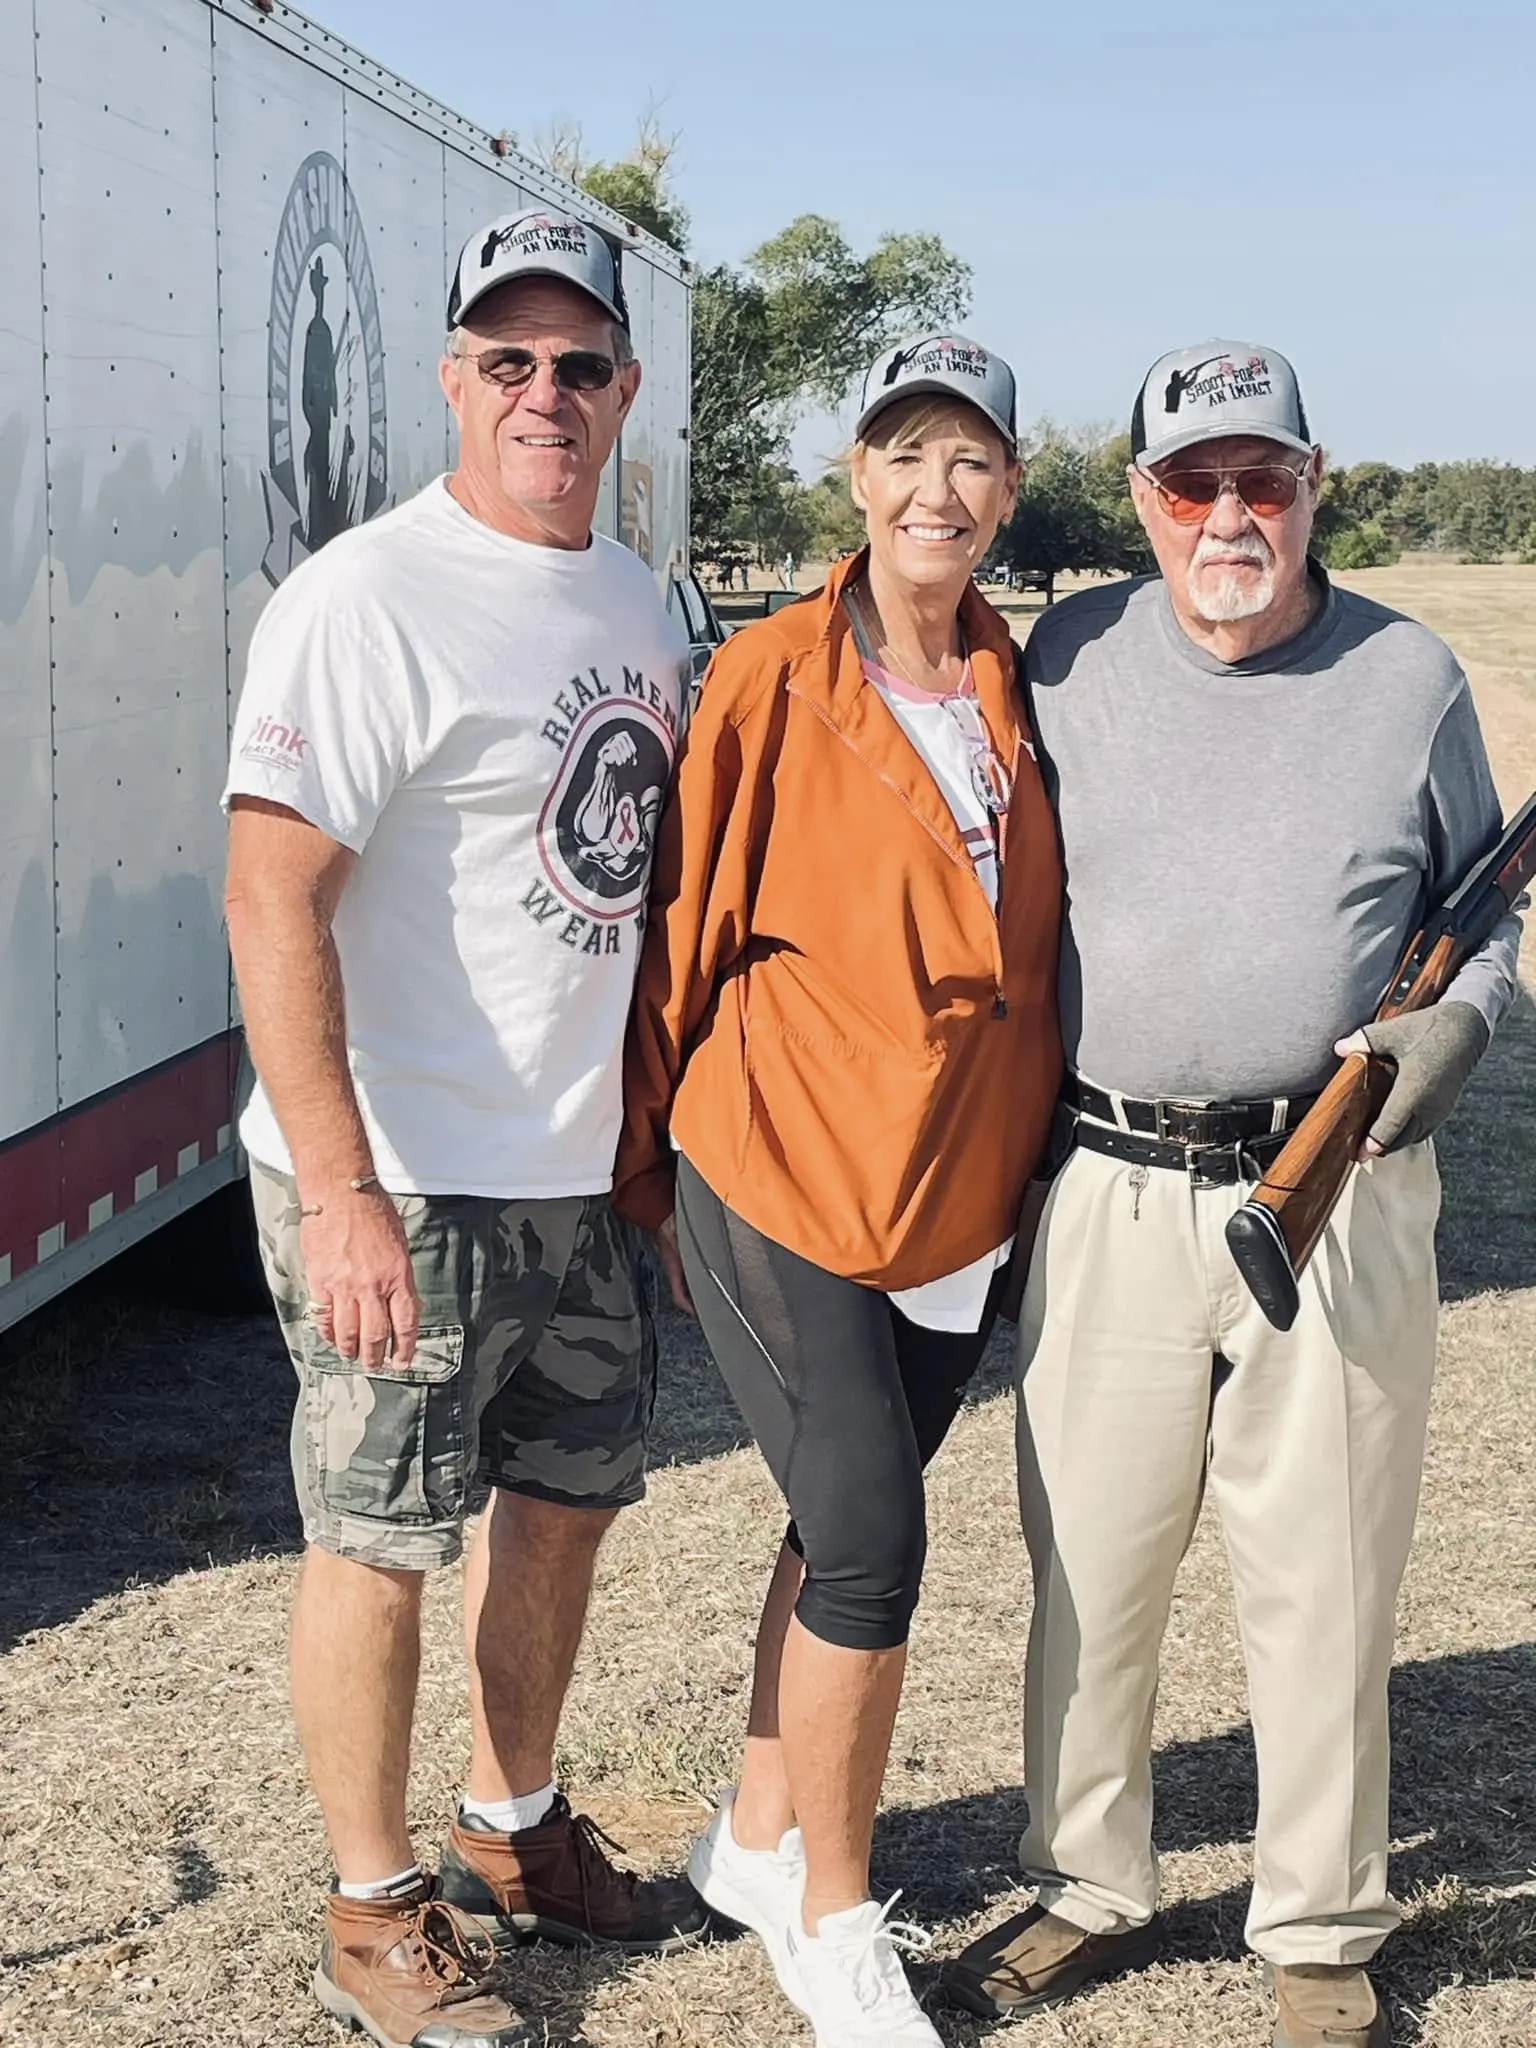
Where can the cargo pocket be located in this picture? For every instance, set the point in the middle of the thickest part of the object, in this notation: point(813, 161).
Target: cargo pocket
point(388, 1446)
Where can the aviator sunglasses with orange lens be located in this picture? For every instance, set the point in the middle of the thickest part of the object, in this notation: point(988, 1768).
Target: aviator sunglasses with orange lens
point(576, 369)
point(1187, 495)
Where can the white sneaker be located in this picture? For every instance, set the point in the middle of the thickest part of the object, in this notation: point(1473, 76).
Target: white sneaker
point(856, 1991)
point(760, 1889)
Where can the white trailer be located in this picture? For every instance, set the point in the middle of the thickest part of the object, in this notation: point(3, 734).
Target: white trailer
point(225, 239)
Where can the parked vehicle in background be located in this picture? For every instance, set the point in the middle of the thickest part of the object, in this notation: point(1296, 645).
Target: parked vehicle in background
point(687, 600)
point(226, 238)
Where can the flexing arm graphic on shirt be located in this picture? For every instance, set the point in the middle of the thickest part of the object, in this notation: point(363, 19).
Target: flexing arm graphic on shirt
point(614, 828)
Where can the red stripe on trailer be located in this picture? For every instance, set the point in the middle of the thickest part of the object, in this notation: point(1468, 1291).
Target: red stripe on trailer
point(31, 1183)
point(90, 1164)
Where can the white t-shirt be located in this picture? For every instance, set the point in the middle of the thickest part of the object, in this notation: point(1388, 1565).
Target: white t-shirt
point(490, 725)
point(949, 734)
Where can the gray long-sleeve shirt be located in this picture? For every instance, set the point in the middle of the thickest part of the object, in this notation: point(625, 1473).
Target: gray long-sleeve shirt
point(1250, 845)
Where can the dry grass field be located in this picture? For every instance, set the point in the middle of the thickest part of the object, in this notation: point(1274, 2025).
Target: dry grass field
point(161, 1864)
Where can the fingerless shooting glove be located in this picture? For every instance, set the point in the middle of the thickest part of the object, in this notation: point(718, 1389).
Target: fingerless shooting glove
point(1435, 1051)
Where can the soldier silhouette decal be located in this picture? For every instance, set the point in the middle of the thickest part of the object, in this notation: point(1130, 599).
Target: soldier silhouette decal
point(328, 497)
point(327, 429)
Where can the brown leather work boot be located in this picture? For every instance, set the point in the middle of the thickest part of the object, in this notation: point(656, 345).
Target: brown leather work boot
point(554, 1882)
point(1036, 1959)
point(413, 1973)
point(1327, 2005)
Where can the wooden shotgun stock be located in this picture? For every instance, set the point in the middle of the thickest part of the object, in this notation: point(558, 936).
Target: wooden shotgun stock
point(1278, 1228)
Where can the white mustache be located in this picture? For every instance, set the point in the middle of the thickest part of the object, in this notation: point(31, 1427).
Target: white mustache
point(1248, 547)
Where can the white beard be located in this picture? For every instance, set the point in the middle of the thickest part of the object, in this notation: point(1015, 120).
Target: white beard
point(1220, 595)
point(1219, 599)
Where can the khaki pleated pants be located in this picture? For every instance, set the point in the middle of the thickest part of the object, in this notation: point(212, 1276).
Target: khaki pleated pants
point(1148, 1376)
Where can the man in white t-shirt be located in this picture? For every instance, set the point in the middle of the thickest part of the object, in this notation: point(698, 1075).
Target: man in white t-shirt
point(457, 728)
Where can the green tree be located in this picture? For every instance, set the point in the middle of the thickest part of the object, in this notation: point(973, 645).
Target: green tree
point(737, 441)
point(1374, 490)
point(1366, 546)
point(796, 328)
point(638, 185)
point(1059, 522)
point(1411, 519)
point(781, 519)
point(1335, 515)
point(1128, 552)
point(832, 311)
point(1074, 510)
point(837, 524)
point(1354, 527)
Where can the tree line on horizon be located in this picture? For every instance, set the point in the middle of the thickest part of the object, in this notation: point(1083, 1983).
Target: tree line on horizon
point(796, 324)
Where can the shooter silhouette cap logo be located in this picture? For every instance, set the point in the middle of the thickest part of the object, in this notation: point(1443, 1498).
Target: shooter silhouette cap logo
point(537, 243)
point(1215, 389)
point(945, 365)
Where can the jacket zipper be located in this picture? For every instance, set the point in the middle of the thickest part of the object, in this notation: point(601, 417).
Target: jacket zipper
point(959, 860)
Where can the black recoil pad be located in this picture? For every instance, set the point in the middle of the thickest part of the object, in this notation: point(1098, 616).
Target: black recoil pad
point(1254, 1240)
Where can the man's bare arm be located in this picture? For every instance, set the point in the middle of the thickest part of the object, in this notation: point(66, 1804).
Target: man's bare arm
point(285, 880)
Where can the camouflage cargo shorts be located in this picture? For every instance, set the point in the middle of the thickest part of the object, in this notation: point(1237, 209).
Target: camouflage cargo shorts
point(535, 1370)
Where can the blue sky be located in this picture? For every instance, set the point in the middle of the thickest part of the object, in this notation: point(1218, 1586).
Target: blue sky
point(1354, 183)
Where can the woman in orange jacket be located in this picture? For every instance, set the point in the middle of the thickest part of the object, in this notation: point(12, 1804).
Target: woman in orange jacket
point(845, 1024)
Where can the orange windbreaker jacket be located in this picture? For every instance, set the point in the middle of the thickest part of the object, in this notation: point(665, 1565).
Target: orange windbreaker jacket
point(855, 1052)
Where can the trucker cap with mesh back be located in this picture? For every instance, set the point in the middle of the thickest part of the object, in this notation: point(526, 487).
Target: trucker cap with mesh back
point(944, 364)
point(537, 243)
point(1215, 389)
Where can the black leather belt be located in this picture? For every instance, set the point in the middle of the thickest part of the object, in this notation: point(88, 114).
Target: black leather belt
point(1215, 1143)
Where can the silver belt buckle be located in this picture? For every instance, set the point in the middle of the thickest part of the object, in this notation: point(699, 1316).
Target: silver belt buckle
point(1163, 1114)
point(1192, 1157)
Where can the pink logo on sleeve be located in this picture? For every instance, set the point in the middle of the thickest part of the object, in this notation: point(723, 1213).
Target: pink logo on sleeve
point(280, 746)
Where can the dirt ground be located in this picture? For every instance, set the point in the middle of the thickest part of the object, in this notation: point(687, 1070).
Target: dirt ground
point(160, 1861)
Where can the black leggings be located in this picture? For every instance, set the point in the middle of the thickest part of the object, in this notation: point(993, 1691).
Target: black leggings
point(848, 1401)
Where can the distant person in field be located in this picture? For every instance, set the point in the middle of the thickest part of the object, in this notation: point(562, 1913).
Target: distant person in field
point(846, 1024)
point(438, 862)
point(1262, 783)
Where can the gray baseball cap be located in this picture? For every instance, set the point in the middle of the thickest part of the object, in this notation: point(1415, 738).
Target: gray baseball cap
point(537, 243)
point(945, 364)
point(1214, 389)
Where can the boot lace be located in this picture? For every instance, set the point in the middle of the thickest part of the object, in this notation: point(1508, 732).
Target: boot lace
point(594, 1872)
point(454, 1950)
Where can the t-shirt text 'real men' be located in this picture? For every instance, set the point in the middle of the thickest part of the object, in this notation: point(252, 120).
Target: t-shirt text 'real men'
point(491, 726)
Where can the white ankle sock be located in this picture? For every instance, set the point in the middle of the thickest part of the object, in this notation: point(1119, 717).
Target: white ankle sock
point(384, 1887)
point(511, 1816)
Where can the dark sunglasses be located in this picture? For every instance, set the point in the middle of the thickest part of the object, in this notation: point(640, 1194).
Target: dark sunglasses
point(576, 369)
point(1187, 495)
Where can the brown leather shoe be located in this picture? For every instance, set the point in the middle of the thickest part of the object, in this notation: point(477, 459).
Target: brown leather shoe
point(554, 1882)
point(413, 1973)
point(1036, 1959)
point(1327, 2005)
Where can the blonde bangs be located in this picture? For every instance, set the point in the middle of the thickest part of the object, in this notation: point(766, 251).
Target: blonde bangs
point(908, 423)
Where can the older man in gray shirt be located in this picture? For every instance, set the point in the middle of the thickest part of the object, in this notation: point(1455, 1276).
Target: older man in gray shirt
point(1262, 783)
